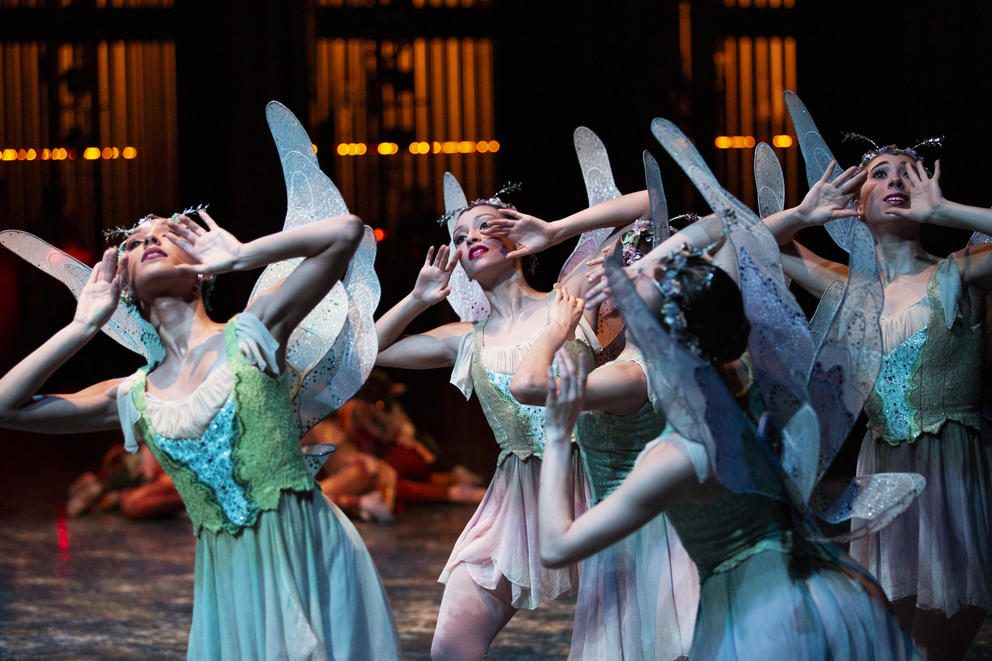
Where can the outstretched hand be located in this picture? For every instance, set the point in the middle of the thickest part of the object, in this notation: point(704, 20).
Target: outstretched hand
point(529, 234)
point(828, 199)
point(432, 281)
point(216, 249)
point(599, 286)
point(925, 196)
point(101, 294)
point(566, 398)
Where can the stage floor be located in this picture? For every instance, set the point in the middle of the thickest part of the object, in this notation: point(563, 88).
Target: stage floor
point(103, 587)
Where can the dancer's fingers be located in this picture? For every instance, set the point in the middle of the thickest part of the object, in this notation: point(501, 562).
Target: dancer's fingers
point(202, 213)
point(430, 256)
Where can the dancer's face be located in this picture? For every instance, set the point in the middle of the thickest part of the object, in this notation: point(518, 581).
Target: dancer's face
point(152, 259)
point(887, 186)
point(477, 252)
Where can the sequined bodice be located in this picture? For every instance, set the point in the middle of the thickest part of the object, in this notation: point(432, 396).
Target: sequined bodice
point(518, 428)
point(246, 456)
point(931, 376)
point(610, 445)
point(722, 533)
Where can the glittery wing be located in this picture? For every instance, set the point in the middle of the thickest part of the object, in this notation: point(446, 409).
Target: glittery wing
point(849, 346)
point(780, 344)
point(126, 325)
point(466, 297)
point(869, 502)
point(817, 156)
point(694, 399)
point(769, 180)
point(333, 349)
point(598, 177)
point(656, 196)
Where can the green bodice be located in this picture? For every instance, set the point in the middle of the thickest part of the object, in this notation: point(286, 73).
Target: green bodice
point(610, 444)
point(934, 375)
point(518, 428)
point(248, 455)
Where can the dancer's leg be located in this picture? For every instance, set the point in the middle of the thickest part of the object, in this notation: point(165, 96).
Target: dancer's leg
point(946, 639)
point(470, 617)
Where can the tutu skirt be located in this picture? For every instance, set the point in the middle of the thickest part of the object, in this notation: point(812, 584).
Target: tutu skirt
point(299, 584)
point(501, 539)
point(637, 598)
point(940, 549)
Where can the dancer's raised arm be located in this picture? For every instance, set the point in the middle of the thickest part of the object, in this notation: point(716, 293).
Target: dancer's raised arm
point(91, 409)
point(435, 348)
point(657, 481)
point(325, 245)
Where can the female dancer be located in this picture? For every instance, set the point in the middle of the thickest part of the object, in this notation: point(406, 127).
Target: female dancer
point(935, 561)
point(280, 573)
point(765, 592)
point(637, 598)
point(495, 567)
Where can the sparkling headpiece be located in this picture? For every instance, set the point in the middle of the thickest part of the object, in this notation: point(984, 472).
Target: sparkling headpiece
point(637, 242)
point(119, 233)
point(493, 201)
point(895, 150)
point(669, 285)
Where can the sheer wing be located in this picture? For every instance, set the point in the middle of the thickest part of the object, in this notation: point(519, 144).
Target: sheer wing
point(466, 297)
point(333, 349)
point(769, 180)
point(817, 156)
point(126, 326)
point(598, 177)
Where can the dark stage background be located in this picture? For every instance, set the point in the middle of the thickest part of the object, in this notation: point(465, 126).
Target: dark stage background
point(185, 82)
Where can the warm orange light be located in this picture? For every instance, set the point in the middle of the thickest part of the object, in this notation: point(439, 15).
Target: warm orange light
point(436, 147)
point(449, 147)
point(71, 154)
point(414, 148)
point(46, 154)
point(482, 146)
point(91, 153)
point(22, 154)
point(8, 155)
point(493, 145)
point(723, 142)
point(466, 146)
point(387, 148)
point(342, 149)
point(314, 145)
point(114, 152)
point(129, 153)
point(379, 233)
point(361, 148)
point(31, 155)
point(782, 141)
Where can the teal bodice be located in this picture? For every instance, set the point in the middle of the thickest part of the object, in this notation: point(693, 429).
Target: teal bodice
point(248, 455)
point(610, 444)
point(935, 374)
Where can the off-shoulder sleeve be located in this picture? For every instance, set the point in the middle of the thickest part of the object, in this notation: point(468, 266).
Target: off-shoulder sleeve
point(257, 343)
point(695, 451)
point(461, 373)
point(128, 414)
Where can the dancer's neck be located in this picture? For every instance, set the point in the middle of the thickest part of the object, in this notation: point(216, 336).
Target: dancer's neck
point(180, 324)
point(510, 295)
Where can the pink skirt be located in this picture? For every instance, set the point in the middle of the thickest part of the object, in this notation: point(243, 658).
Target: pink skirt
point(940, 549)
point(501, 540)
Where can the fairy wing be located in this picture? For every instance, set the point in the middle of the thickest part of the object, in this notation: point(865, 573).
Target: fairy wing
point(126, 326)
point(598, 177)
point(769, 180)
point(466, 297)
point(817, 157)
point(333, 349)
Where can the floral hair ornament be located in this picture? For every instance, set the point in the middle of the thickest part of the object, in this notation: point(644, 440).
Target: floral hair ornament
point(495, 200)
point(669, 285)
point(895, 150)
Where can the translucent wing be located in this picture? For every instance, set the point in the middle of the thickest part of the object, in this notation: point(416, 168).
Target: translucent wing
point(598, 177)
point(333, 349)
point(656, 195)
point(870, 502)
point(126, 326)
point(817, 156)
point(769, 180)
point(466, 297)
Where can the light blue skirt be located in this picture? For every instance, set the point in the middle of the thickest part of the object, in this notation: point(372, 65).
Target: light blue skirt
point(299, 584)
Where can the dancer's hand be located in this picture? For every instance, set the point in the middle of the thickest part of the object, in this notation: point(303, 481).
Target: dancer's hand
point(564, 313)
point(565, 398)
point(432, 281)
point(828, 199)
point(926, 200)
point(529, 234)
point(216, 249)
point(101, 294)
